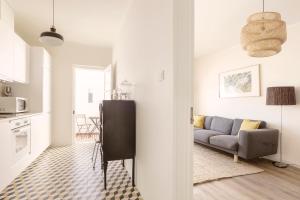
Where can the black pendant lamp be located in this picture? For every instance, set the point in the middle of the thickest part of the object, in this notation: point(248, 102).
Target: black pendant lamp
point(51, 38)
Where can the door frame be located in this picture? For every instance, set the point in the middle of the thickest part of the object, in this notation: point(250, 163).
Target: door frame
point(183, 58)
point(74, 66)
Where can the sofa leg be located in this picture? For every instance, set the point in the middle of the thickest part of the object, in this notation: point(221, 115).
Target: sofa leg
point(235, 158)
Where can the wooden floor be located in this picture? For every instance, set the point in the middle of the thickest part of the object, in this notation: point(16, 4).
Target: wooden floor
point(272, 184)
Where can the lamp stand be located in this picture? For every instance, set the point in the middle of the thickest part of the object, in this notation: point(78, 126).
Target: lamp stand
point(280, 164)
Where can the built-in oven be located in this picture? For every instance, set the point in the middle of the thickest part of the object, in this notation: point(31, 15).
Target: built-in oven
point(20, 130)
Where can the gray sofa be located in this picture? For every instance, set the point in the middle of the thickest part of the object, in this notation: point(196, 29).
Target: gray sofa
point(222, 133)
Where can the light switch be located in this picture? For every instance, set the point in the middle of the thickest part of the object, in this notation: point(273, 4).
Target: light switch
point(162, 75)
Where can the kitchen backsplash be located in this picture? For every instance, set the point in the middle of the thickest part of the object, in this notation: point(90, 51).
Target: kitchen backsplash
point(1, 88)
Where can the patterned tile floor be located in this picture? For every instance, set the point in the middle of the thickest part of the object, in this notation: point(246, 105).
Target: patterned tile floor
point(66, 173)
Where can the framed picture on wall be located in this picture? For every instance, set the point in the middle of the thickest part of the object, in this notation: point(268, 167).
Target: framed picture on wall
point(242, 82)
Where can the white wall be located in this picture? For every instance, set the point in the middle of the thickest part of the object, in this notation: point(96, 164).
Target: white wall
point(63, 58)
point(280, 70)
point(143, 49)
point(146, 47)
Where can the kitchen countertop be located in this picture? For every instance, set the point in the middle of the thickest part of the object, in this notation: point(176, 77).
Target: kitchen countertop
point(17, 116)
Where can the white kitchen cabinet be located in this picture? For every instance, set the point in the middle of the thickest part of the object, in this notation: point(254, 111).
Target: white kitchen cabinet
point(40, 99)
point(38, 90)
point(6, 52)
point(47, 83)
point(40, 133)
point(40, 137)
point(6, 155)
point(6, 14)
point(21, 60)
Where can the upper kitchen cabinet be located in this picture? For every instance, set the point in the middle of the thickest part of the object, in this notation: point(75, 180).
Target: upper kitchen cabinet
point(41, 80)
point(6, 52)
point(21, 60)
point(6, 41)
point(6, 14)
point(38, 90)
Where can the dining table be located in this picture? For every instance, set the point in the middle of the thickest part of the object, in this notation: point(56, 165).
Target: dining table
point(96, 124)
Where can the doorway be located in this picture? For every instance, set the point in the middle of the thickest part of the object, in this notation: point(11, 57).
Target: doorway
point(88, 87)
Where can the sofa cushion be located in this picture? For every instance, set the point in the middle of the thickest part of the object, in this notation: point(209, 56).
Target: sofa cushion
point(237, 125)
point(199, 121)
point(196, 129)
point(249, 125)
point(221, 124)
point(262, 125)
point(203, 135)
point(225, 141)
point(207, 122)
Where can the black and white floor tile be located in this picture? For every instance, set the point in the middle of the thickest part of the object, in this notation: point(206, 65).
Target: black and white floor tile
point(66, 173)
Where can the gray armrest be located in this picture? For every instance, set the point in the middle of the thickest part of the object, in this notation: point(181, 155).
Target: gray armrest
point(258, 143)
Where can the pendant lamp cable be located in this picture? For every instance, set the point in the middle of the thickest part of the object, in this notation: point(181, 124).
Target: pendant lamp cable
point(263, 6)
point(53, 13)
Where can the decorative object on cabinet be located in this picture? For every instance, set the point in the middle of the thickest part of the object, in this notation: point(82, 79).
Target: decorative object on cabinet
point(281, 96)
point(119, 133)
point(264, 34)
point(126, 88)
point(52, 38)
point(243, 82)
point(6, 91)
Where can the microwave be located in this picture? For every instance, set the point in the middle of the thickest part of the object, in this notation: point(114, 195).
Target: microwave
point(10, 105)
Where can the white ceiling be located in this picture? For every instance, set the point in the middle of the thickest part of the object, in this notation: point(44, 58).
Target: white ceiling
point(218, 22)
point(90, 22)
point(95, 22)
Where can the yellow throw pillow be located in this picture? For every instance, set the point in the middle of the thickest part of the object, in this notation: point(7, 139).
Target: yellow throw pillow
point(199, 121)
point(249, 125)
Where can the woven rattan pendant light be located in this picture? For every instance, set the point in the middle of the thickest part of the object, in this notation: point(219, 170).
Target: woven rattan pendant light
point(264, 34)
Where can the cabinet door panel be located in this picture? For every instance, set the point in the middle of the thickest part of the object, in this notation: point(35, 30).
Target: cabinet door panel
point(6, 52)
point(21, 60)
point(6, 153)
point(40, 133)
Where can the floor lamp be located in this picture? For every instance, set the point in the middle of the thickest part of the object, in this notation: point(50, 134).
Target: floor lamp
point(281, 96)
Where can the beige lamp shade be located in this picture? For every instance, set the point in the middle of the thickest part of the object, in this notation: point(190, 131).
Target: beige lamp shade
point(264, 34)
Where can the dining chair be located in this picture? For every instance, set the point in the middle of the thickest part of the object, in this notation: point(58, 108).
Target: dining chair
point(98, 141)
point(82, 125)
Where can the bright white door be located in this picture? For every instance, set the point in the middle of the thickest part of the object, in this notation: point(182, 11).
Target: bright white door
point(88, 94)
point(108, 82)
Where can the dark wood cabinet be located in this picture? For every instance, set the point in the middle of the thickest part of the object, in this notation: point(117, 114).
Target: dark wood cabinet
point(118, 132)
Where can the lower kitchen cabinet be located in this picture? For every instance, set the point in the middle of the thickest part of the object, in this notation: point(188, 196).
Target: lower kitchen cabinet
point(40, 133)
point(5, 153)
point(40, 138)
